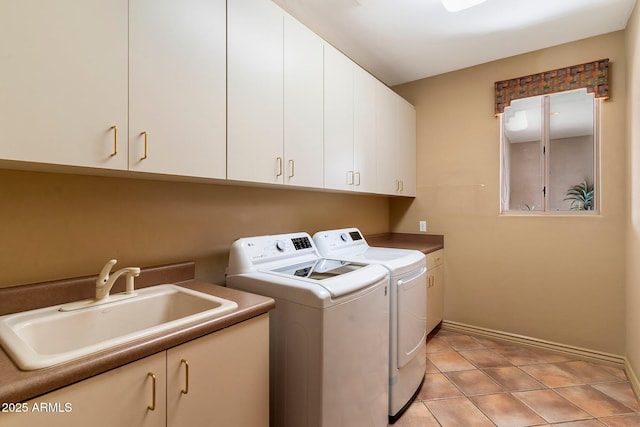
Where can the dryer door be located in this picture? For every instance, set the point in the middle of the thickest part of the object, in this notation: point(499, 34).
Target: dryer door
point(412, 314)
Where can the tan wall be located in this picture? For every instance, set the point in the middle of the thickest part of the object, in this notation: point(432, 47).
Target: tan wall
point(633, 164)
point(554, 278)
point(56, 225)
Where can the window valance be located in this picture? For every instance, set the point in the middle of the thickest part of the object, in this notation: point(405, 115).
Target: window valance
point(594, 76)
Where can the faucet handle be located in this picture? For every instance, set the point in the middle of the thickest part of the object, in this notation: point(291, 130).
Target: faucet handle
point(104, 273)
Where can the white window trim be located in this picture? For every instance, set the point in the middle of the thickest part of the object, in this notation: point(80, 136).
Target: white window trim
point(597, 185)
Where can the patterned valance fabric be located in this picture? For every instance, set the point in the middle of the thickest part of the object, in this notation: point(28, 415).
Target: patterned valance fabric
point(594, 76)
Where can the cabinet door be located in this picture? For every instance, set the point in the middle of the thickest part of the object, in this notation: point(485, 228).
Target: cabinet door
point(64, 82)
point(303, 105)
point(435, 289)
point(178, 87)
point(228, 378)
point(387, 112)
point(338, 120)
point(364, 130)
point(255, 91)
point(407, 148)
point(120, 397)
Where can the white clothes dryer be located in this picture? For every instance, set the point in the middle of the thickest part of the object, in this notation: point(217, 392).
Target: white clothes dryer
point(408, 308)
point(328, 333)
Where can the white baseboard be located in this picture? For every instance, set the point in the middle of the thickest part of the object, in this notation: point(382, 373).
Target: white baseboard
point(566, 350)
point(633, 378)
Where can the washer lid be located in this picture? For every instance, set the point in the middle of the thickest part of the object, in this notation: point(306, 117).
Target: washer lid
point(336, 276)
point(320, 269)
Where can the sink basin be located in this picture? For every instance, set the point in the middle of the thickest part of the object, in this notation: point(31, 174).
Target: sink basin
point(47, 336)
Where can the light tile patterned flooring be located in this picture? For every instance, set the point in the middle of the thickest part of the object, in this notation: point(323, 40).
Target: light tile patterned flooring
point(475, 382)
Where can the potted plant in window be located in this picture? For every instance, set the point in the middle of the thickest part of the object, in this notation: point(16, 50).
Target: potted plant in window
point(581, 196)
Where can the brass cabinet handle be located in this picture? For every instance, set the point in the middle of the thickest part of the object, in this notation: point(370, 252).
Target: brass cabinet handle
point(350, 178)
point(144, 133)
point(279, 160)
point(292, 168)
point(152, 407)
point(185, 390)
point(114, 128)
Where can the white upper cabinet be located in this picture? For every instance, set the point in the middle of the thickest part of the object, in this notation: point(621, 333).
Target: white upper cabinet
point(177, 87)
point(364, 131)
point(255, 91)
point(215, 89)
point(275, 97)
point(396, 122)
point(303, 105)
point(63, 84)
point(338, 120)
point(387, 148)
point(407, 156)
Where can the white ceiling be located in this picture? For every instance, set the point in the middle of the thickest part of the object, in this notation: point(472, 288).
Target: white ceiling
point(404, 40)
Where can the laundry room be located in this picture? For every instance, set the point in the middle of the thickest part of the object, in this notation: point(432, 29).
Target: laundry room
point(562, 284)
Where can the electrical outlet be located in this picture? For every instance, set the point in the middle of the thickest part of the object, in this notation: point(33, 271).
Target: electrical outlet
point(423, 226)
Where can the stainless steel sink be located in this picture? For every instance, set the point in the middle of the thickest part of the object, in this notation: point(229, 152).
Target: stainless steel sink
point(47, 336)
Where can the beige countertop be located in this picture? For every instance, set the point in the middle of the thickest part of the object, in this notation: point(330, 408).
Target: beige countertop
point(17, 385)
point(425, 243)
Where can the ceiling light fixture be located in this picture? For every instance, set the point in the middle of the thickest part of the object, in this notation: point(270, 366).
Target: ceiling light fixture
point(458, 5)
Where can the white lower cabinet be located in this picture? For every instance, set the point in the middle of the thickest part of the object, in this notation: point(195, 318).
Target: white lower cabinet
point(435, 289)
point(220, 379)
point(228, 381)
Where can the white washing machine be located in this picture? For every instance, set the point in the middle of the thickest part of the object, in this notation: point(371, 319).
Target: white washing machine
point(408, 308)
point(328, 333)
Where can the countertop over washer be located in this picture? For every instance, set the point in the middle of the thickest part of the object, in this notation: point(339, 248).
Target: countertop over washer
point(425, 243)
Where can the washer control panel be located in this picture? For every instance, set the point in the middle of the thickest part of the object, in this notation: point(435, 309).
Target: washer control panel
point(264, 248)
point(331, 240)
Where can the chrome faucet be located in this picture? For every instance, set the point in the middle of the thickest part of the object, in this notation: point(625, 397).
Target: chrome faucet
point(106, 280)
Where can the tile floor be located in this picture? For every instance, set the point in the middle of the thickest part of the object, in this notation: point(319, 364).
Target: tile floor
point(475, 382)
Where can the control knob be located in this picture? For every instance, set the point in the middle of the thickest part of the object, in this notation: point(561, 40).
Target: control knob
point(280, 245)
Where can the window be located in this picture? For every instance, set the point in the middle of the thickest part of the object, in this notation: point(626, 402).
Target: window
point(549, 154)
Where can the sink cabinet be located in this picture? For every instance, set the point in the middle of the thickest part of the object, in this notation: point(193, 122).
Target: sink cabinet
point(435, 289)
point(228, 378)
point(227, 384)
